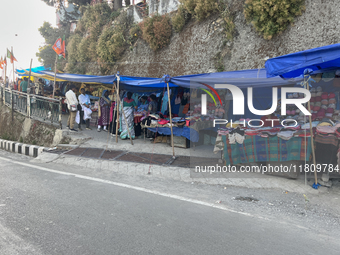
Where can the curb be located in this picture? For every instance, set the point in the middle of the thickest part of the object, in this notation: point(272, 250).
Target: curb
point(20, 148)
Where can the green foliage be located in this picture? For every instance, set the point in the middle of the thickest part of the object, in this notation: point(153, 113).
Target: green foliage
point(73, 64)
point(135, 33)
point(156, 31)
point(111, 45)
point(228, 23)
point(46, 54)
point(82, 46)
point(200, 9)
point(219, 62)
point(180, 19)
point(272, 17)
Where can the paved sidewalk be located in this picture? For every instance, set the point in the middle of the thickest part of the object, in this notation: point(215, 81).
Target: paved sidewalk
point(104, 140)
point(180, 173)
point(99, 150)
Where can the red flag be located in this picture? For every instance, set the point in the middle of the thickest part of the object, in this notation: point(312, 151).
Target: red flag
point(57, 47)
point(64, 50)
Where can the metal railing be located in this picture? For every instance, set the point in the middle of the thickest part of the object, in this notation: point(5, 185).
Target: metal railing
point(33, 106)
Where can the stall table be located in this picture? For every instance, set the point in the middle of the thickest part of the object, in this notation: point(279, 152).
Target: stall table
point(264, 149)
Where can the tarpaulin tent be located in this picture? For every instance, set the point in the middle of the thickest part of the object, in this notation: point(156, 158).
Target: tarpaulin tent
point(242, 79)
point(293, 65)
point(108, 79)
point(305, 63)
point(23, 72)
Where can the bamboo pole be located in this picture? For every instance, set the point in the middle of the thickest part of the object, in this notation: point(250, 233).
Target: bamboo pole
point(172, 134)
point(312, 140)
point(13, 67)
point(55, 74)
point(117, 105)
point(5, 72)
point(28, 97)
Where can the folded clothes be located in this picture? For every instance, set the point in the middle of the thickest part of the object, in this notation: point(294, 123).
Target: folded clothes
point(286, 135)
point(302, 133)
point(326, 129)
point(307, 125)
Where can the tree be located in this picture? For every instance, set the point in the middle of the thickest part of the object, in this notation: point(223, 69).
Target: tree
point(46, 54)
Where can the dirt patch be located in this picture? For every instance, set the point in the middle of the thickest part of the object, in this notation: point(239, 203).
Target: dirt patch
point(10, 129)
point(40, 134)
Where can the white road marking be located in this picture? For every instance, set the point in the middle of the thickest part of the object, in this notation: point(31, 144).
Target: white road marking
point(155, 192)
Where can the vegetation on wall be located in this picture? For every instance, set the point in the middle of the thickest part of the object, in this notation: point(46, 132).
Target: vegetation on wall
point(181, 18)
point(156, 31)
point(83, 44)
point(200, 9)
point(272, 17)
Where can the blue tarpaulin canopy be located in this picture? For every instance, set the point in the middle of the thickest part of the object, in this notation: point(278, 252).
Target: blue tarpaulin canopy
point(293, 65)
point(139, 84)
point(81, 78)
point(242, 79)
point(24, 72)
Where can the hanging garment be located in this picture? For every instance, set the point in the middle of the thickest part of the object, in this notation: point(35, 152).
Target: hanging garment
point(178, 100)
point(165, 102)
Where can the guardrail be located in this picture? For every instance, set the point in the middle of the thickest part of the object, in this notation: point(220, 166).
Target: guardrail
point(32, 106)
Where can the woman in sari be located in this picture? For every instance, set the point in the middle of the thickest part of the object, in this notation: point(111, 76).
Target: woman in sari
point(104, 111)
point(126, 122)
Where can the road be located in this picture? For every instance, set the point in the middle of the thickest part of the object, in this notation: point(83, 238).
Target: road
point(45, 210)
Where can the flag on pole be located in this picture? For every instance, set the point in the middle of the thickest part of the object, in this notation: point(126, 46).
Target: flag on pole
point(1, 63)
point(59, 47)
point(5, 61)
point(11, 56)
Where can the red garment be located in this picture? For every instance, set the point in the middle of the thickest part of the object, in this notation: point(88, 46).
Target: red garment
point(269, 123)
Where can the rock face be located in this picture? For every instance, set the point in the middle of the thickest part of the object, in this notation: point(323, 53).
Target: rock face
point(194, 50)
point(23, 129)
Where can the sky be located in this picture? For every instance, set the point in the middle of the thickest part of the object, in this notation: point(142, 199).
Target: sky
point(23, 17)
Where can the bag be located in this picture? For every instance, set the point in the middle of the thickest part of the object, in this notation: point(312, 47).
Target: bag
point(73, 108)
point(87, 113)
point(78, 117)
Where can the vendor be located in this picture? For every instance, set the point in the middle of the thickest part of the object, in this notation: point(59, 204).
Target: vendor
point(143, 103)
point(152, 108)
point(127, 115)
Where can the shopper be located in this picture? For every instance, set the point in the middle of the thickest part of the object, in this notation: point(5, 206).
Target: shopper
point(72, 104)
point(127, 116)
point(84, 101)
point(104, 111)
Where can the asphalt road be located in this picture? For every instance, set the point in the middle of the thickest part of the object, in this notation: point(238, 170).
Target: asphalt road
point(43, 212)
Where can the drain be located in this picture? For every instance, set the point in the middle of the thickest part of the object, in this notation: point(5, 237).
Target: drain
point(248, 199)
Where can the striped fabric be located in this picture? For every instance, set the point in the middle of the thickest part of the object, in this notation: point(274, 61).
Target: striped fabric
point(266, 149)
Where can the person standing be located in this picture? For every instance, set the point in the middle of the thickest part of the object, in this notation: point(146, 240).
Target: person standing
point(104, 111)
point(85, 102)
point(39, 87)
point(23, 85)
point(72, 104)
point(127, 117)
point(143, 103)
